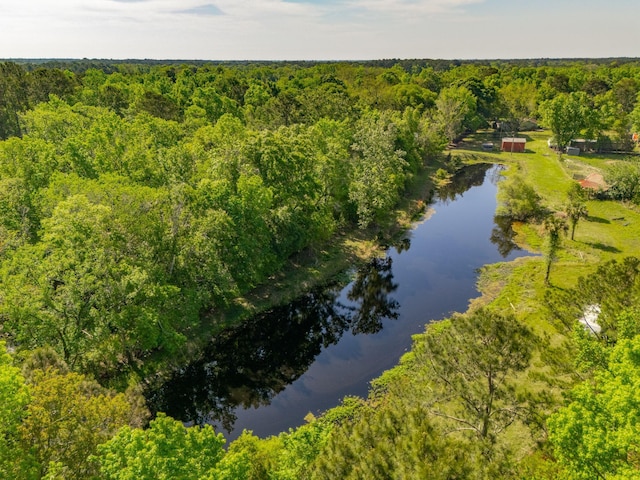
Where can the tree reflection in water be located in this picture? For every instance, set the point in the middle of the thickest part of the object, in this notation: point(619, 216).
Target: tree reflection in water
point(371, 289)
point(251, 363)
point(463, 180)
point(247, 366)
point(502, 235)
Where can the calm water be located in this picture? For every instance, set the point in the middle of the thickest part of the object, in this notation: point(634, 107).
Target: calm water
point(267, 374)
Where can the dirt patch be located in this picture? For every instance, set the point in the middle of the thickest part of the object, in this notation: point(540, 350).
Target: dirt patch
point(594, 181)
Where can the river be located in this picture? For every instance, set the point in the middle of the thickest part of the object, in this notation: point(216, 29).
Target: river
point(269, 373)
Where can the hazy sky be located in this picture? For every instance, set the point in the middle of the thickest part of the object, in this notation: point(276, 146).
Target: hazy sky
point(318, 29)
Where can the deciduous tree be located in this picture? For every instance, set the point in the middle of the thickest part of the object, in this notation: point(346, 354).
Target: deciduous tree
point(378, 168)
point(15, 461)
point(166, 450)
point(456, 107)
point(518, 199)
point(566, 115)
point(67, 417)
point(595, 435)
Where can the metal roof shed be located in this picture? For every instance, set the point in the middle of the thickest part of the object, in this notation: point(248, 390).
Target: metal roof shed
point(513, 144)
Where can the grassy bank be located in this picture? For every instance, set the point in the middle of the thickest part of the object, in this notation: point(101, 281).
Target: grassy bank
point(611, 231)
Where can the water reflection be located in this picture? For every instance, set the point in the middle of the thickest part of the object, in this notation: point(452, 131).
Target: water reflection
point(371, 290)
point(402, 245)
point(463, 180)
point(502, 235)
point(250, 364)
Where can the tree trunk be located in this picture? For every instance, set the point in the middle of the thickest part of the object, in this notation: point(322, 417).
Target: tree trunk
point(546, 276)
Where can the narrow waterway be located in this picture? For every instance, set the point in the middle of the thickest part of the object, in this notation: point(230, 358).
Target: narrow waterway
point(269, 373)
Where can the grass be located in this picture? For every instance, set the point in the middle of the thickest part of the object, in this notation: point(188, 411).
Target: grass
point(612, 231)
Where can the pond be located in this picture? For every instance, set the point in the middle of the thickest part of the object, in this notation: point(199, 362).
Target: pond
point(267, 374)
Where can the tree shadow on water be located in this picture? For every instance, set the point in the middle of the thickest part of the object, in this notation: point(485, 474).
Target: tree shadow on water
point(463, 180)
point(371, 290)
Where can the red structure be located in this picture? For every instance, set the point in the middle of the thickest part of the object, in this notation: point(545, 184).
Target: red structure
point(513, 144)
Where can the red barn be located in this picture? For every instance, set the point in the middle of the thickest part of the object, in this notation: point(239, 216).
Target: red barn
point(513, 144)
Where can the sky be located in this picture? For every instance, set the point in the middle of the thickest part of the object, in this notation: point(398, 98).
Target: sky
point(318, 29)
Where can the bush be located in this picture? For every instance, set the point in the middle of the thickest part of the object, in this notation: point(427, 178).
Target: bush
point(519, 200)
point(624, 181)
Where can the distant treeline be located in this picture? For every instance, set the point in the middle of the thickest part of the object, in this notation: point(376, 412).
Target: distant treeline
point(77, 65)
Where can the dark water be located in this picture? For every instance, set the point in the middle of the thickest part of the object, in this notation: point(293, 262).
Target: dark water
point(268, 373)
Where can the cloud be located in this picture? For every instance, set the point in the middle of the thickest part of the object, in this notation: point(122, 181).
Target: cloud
point(414, 7)
point(208, 9)
point(318, 2)
point(356, 11)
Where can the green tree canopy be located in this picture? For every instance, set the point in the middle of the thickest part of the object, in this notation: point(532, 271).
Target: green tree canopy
point(566, 115)
point(15, 462)
point(167, 450)
point(595, 435)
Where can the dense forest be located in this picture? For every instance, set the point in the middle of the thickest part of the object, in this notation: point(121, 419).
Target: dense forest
point(141, 200)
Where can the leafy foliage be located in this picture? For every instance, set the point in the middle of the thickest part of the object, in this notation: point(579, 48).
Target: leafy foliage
point(566, 115)
point(623, 179)
point(14, 398)
point(166, 450)
point(67, 418)
point(594, 436)
point(378, 170)
point(518, 199)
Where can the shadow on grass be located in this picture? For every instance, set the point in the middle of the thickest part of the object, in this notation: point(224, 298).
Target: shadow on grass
point(604, 248)
point(621, 221)
point(597, 219)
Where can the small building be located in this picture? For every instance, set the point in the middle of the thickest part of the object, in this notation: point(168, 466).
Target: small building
point(584, 145)
point(573, 151)
point(513, 144)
